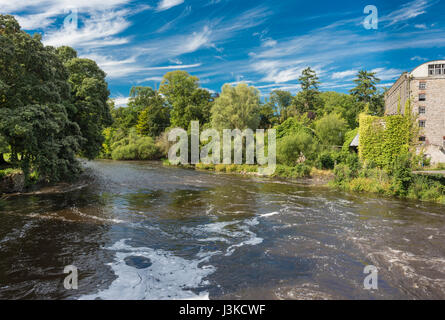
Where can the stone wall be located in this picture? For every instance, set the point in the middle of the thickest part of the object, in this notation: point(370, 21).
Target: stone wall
point(434, 105)
point(399, 93)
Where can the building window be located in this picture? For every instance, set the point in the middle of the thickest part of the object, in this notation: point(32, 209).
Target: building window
point(422, 139)
point(422, 110)
point(422, 85)
point(422, 123)
point(422, 97)
point(436, 69)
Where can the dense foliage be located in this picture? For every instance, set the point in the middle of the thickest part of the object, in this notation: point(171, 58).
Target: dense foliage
point(51, 105)
point(382, 139)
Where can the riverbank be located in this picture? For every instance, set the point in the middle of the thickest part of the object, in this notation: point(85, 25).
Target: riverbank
point(421, 187)
point(400, 182)
point(302, 173)
point(12, 183)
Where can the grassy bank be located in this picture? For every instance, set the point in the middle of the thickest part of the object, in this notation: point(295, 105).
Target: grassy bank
point(300, 171)
point(398, 181)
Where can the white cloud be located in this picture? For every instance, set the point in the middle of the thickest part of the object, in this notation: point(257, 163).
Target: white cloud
point(167, 4)
point(42, 13)
point(421, 26)
point(418, 58)
point(344, 74)
point(197, 40)
point(387, 74)
point(269, 43)
point(121, 101)
point(408, 11)
point(100, 30)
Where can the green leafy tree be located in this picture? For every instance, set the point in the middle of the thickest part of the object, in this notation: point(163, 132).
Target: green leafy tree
point(154, 117)
point(89, 96)
point(291, 148)
point(237, 108)
point(366, 92)
point(35, 105)
point(331, 130)
point(344, 104)
point(281, 101)
point(268, 116)
point(308, 99)
point(188, 102)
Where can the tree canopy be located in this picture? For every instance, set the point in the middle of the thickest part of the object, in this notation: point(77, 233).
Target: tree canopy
point(237, 108)
point(187, 101)
point(51, 104)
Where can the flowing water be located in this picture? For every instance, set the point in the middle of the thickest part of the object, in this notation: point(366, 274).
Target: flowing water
point(142, 231)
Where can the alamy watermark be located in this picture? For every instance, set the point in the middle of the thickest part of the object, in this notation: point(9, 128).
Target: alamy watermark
point(372, 20)
point(232, 143)
point(371, 281)
point(71, 280)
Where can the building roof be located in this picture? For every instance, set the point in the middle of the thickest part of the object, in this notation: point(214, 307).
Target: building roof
point(355, 142)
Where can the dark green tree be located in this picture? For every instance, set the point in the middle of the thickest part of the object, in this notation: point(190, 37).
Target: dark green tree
point(366, 91)
point(35, 104)
point(154, 117)
point(89, 96)
point(188, 102)
point(308, 99)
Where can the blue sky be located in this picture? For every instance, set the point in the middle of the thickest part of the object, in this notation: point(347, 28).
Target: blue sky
point(263, 43)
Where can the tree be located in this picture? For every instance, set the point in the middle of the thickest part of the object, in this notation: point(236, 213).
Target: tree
point(237, 108)
point(331, 130)
point(308, 99)
point(281, 100)
point(290, 148)
point(35, 105)
point(154, 117)
point(89, 96)
point(366, 91)
point(187, 101)
point(344, 104)
point(268, 116)
point(3, 149)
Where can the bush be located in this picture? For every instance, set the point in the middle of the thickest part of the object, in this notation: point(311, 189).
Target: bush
point(401, 172)
point(331, 129)
point(290, 148)
point(342, 174)
point(325, 161)
point(298, 171)
point(135, 148)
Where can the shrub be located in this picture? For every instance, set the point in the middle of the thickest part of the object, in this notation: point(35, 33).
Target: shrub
point(220, 168)
point(402, 175)
point(331, 129)
point(135, 148)
point(290, 148)
point(342, 173)
point(325, 161)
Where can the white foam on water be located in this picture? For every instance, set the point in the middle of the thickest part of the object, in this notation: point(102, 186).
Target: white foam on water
point(236, 233)
point(168, 278)
point(266, 215)
point(80, 213)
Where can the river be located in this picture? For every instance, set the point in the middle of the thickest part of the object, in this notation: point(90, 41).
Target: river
point(142, 231)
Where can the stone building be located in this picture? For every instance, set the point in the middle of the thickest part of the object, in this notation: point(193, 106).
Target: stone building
point(425, 87)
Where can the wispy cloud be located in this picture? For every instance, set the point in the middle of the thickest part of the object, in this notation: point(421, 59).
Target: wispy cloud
point(167, 4)
point(407, 11)
point(344, 74)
